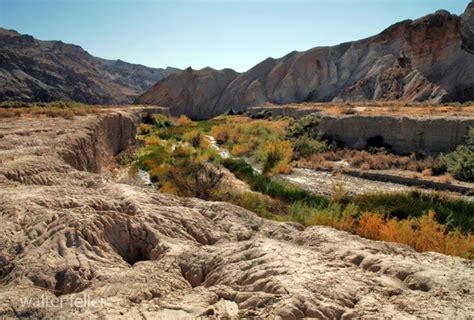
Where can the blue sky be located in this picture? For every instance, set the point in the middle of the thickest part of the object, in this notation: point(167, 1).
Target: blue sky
point(235, 34)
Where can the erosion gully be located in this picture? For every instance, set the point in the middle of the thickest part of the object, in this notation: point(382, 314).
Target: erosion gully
point(323, 182)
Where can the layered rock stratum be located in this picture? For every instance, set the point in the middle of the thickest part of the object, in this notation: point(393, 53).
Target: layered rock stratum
point(35, 70)
point(413, 60)
point(70, 231)
point(467, 30)
point(428, 134)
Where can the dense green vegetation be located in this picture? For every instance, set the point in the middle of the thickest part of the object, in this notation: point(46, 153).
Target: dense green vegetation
point(262, 140)
point(265, 184)
point(174, 155)
point(178, 153)
point(306, 138)
point(455, 213)
point(452, 212)
point(460, 163)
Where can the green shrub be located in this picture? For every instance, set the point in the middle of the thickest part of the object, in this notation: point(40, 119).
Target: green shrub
point(275, 156)
point(194, 137)
point(460, 163)
point(307, 146)
point(306, 137)
point(300, 212)
point(253, 202)
point(307, 125)
point(158, 120)
point(265, 184)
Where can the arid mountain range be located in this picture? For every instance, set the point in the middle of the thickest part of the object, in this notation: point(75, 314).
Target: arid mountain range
point(34, 70)
point(428, 59)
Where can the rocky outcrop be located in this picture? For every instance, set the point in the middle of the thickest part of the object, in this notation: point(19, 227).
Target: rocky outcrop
point(191, 92)
point(467, 31)
point(419, 60)
point(265, 111)
point(34, 70)
point(404, 134)
point(76, 243)
point(430, 135)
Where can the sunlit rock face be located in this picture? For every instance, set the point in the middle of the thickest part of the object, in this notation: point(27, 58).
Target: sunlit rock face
point(195, 93)
point(413, 60)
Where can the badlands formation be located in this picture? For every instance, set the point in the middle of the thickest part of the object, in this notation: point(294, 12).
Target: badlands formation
point(428, 59)
point(70, 229)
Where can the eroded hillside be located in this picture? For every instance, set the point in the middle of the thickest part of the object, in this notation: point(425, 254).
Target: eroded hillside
point(68, 229)
point(35, 70)
point(427, 59)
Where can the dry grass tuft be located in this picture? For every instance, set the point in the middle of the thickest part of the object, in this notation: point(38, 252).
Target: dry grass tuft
point(447, 178)
point(58, 109)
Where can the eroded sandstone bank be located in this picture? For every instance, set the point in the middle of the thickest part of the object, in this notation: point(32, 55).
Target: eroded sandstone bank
point(67, 233)
point(403, 134)
point(429, 135)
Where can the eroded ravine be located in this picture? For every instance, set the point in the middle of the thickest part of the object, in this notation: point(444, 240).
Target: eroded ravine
point(324, 182)
point(135, 252)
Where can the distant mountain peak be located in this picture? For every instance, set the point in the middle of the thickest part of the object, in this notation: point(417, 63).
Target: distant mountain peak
point(35, 70)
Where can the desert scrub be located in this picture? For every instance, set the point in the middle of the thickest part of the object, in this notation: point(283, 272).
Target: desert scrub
point(452, 212)
point(175, 153)
point(376, 160)
point(426, 222)
point(58, 109)
point(262, 140)
point(460, 163)
point(265, 184)
point(275, 157)
point(423, 234)
point(306, 145)
point(178, 159)
point(306, 138)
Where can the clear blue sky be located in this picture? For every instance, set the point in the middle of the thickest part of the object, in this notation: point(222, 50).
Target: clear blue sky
point(235, 34)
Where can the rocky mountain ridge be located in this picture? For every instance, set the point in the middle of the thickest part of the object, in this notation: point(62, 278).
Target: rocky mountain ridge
point(35, 70)
point(419, 60)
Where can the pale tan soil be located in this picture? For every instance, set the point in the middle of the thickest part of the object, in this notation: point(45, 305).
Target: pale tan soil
point(398, 108)
point(322, 183)
point(338, 170)
point(66, 231)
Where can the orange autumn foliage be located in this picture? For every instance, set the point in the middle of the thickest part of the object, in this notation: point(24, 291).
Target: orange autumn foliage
point(240, 149)
point(369, 225)
point(153, 141)
point(276, 156)
point(221, 133)
point(184, 121)
point(280, 168)
point(423, 234)
point(430, 235)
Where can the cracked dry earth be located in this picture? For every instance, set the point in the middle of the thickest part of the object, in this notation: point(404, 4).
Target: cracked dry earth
point(68, 229)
